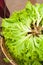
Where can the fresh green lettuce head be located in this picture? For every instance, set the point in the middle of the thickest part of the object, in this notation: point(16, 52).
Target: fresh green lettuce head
point(23, 33)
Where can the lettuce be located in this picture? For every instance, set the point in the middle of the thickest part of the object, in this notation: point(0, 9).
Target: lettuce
point(23, 33)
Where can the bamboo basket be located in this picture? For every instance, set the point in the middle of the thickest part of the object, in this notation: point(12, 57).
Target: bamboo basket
point(5, 52)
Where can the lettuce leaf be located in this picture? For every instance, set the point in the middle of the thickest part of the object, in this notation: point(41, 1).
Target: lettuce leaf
point(24, 48)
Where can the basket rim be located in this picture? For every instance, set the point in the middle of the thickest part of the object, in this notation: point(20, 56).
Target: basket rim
point(7, 55)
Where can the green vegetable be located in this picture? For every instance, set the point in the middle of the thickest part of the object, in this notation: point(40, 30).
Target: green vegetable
point(23, 33)
point(6, 60)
